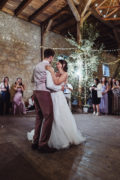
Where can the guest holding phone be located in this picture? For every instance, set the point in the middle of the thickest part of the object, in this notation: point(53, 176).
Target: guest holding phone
point(18, 103)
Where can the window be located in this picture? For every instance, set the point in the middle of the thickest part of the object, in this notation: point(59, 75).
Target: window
point(106, 70)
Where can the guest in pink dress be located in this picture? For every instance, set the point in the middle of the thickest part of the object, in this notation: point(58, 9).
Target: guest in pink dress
point(18, 103)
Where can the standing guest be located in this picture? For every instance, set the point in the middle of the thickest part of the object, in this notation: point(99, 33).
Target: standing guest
point(18, 103)
point(116, 98)
point(113, 82)
point(104, 99)
point(110, 95)
point(5, 96)
point(67, 91)
point(96, 96)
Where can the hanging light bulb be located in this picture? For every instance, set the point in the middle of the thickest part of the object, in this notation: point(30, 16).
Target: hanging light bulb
point(104, 15)
point(100, 11)
point(115, 15)
point(96, 5)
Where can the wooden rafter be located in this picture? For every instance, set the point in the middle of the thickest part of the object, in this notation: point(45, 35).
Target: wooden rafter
point(111, 9)
point(66, 29)
point(41, 9)
point(86, 8)
point(22, 6)
point(49, 26)
point(2, 3)
point(74, 10)
point(62, 22)
point(110, 25)
point(54, 15)
point(106, 7)
point(77, 2)
point(44, 33)
point(101, 4)
point(112, 13)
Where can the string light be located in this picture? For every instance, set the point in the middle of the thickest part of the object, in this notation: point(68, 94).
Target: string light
point(96, 5)
point(108, 10)
point(94, 50)
point(57, 48)
point(100, 11)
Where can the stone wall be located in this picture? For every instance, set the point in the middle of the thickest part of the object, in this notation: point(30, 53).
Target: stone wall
point(54, 40)
point(19, 50)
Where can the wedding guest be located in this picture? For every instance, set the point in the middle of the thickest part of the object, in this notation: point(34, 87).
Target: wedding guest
point(116, 98)
point(104, 99)
point(96, 96)
point(5, 96)
point(67, 91)
point(31, 105)
point(110, 95)
point(18, 103)
point(113, 82)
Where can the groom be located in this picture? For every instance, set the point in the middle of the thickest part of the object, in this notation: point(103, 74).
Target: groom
point(43, 104)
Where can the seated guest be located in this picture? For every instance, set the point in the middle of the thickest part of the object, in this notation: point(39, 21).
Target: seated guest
point(31, 105)
point(5, 96)
point(67, 92)
point(18, 103)
point(116, 98)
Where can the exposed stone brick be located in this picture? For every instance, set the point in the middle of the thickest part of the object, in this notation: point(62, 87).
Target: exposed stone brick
point(19, 50)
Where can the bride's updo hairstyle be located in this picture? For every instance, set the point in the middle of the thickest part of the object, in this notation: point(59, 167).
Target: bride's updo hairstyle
point(64, 65)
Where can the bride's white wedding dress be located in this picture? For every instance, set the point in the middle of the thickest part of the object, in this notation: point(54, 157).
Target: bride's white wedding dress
point(64, 129)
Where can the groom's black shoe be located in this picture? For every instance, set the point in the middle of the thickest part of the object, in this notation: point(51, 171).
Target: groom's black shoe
point(46, 149)
point(34, 146)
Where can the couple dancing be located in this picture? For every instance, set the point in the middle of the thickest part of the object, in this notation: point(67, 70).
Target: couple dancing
point(55, 126)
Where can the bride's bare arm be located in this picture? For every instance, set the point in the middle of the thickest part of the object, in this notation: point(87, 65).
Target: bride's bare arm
point(57, 80)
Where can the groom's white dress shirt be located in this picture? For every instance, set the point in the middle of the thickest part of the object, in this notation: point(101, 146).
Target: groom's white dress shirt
point(43, 79)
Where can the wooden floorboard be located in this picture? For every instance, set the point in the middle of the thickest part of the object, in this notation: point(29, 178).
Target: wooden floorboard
point(96, 159)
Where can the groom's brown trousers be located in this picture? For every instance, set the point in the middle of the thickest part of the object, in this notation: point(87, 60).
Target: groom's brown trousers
point(44, 111)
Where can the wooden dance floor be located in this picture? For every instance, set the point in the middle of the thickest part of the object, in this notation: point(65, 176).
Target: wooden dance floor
point(97, 159)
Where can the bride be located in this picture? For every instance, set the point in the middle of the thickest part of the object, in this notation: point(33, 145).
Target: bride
point(64, 129)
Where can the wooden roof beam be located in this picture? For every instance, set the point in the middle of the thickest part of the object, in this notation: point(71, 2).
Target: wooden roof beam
point(110, 25)
point(86, 8)
point(2, 3)
point(74, 10)
point(106, 7)
point(77, 2)
point(101, 4)
point(22, 6)
point(61, 22)
point(41, 9)
point(67, 28)
point(54, 15)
